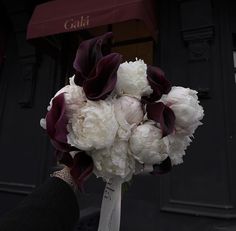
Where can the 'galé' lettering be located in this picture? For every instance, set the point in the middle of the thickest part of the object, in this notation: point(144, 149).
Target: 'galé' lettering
point(78, 23)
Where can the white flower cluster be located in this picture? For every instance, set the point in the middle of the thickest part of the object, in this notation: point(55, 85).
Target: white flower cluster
point(132, 79)
point(116, 133)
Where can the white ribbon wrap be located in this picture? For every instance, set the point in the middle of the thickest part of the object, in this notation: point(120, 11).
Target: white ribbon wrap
point(111, 206)
point(111, 203)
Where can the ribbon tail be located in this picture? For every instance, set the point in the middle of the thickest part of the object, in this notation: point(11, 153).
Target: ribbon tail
point(116, 213)
point(111, 206)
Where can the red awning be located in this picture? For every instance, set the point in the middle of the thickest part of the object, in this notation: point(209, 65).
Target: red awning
point(60, 16)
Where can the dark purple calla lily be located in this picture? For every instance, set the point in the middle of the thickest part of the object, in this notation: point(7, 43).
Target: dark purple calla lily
point(87, 56)
point(94, 72)
point(102, 80)
point(162, 114)
point(60, 146)
point(162, 168)
point(159, 84)
point(65, 158)
point(56, 121)
point(82, 168)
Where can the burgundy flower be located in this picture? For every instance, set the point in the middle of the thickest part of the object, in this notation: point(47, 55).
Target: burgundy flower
point(162, 114)
point(87, 56)
point(102, 80)
point(94, 72)
point(159, 84)
point(82, 168)
point(64, 158)
point(56, 121)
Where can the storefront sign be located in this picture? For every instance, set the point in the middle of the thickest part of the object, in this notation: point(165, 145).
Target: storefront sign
point(76, 23)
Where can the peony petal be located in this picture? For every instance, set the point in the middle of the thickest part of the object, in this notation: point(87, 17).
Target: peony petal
point(87, 56)
point(162, 114)
point(162, 168)
point(159, 84)
point(103, 79)
point(82, 168)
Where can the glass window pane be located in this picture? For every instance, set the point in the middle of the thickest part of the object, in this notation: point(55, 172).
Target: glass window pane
point(98, 31)
point(140, 50)
point(129, 30)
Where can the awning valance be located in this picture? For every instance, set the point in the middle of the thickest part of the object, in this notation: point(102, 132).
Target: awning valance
point(60, 16)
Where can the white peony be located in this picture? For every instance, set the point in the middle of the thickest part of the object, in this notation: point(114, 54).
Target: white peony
point(178, 145)
point(74, 99)
point(185, 105)
point(93, 126)
point(129, 113)
point(74, 95)
point(147, 144)
point(113, 161)
point(132, 79)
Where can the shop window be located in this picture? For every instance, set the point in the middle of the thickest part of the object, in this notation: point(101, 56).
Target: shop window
point(131, 39)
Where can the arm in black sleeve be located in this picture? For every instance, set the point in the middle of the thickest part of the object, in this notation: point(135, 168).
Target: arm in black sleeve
point(53, 206)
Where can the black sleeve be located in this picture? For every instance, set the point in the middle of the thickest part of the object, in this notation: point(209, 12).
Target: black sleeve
point(53, 206)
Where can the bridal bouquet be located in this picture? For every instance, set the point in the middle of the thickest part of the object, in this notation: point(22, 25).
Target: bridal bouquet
point(119, 119)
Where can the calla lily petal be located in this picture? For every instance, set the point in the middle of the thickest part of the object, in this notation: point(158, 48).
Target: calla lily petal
point(57, 120)
point(60, 146)
point(159, 84)
point(87, 56)
point(65, 158)
point(82, 168)
point(103, 79)
point(162, 114)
